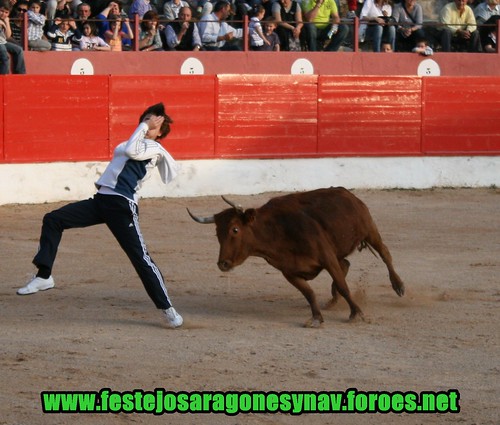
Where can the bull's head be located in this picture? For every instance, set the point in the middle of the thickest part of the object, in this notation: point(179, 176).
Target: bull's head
point(233, 232)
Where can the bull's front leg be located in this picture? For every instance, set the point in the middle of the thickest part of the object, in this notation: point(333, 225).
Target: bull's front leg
point(306, 290)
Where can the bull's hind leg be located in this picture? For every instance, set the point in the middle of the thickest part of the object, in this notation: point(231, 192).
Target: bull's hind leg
point(337, 271)
point(344, 265)
point(306, 290)
point(375, 241)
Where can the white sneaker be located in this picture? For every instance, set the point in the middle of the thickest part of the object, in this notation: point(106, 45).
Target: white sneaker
point(174, 319)
point(36, 284)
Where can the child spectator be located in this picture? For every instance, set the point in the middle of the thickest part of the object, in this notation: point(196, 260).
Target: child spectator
point(36, 22)
point(62, 34)
point(386, 47)
point(423, 47)
point(258, 40)
point(273, 38)
point(90, 40)
point(149, 37)
point(115, 36)
point(7, 48)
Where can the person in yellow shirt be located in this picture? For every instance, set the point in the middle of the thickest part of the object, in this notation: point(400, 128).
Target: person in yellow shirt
point(323, 28)
point(459, 27)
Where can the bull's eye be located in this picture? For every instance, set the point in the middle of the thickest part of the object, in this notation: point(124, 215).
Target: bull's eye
point(235, 230)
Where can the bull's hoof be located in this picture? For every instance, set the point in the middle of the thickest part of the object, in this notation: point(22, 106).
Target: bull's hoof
point(313, 323)
point(357, 316)
point(399, 289)
point(397, 284)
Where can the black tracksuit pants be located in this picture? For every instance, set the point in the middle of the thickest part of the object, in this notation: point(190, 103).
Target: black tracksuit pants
point(122, 218)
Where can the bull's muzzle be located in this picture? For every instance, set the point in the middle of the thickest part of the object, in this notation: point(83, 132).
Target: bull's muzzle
point(225, 265)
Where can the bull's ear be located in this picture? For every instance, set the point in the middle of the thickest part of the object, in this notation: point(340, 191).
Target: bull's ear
point(250, 215)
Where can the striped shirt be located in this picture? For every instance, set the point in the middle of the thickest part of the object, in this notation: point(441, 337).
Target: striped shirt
point(132, 164)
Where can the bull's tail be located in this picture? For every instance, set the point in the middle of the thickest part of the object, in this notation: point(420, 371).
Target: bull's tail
point(364, 244)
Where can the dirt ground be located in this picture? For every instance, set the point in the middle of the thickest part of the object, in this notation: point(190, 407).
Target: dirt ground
point(243, 330)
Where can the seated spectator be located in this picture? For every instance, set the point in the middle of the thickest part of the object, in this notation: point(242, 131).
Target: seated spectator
point(323, 28)
point(459, 27)
point(172, 8)
point(62, 33)
point(376, 24)
point(6, 47)
point(82, 14)
point(36, 23)
point(485, 10)
point(183, 34)
point(91, 40)
point(115, 35)
point(408, 17)
point(488, 34)
point(288, 16)
point(113, 8)
point(16, 18)
point(139, 7)
point(216, 34)
point(149, 36)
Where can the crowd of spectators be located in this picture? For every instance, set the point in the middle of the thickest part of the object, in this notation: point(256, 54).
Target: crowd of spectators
point(274, 25)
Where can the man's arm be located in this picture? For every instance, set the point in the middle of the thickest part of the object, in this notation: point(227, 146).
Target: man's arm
point(139, 148)
point(6, 25)
point(196, 38)
point(310, 15)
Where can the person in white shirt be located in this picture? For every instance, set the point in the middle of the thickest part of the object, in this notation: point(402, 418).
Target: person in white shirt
point(376, 23)
point(485, 10)
point(215, 33)
point(115, 204)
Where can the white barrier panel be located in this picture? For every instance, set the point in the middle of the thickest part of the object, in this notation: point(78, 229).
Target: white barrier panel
point(51, 182)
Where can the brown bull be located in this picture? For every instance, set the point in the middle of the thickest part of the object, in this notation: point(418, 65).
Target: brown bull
point(301, 234)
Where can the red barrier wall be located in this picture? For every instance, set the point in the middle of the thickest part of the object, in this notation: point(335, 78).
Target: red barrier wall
point(80, 118)
point(461, 115)
point(369, 116)
point(55, 118)
point(266, 116)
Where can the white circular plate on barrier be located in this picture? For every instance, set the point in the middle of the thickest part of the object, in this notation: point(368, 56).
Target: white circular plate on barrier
point(302, 67)
point(428, 68)
point(192, 66)
point(82, 67)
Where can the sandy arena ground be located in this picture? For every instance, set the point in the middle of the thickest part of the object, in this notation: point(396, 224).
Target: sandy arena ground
point(243, 330)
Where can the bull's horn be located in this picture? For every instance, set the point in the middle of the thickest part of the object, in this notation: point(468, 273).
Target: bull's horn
point(237, 206)
point(202, 220)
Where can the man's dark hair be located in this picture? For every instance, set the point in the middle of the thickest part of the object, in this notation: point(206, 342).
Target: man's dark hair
point(221, 4)
point(159, 111)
